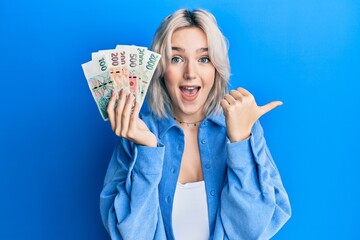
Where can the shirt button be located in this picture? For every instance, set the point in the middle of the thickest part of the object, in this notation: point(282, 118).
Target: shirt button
point(203, 141)
point(168, 199)
point(207, 166)
point(173, 170)
point(212, 193)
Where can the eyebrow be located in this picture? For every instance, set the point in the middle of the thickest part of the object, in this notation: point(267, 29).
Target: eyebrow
point(200, 50)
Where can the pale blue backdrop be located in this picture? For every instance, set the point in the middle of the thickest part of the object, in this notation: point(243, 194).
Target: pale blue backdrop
point(55, 147)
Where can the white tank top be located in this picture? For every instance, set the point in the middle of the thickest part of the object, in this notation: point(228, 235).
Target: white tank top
point(190, 212)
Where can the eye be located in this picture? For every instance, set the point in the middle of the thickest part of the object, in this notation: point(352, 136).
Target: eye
point(204, 60)
point(176, 59)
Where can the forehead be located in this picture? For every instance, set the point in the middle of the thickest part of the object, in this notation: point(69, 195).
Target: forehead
point(189, 38)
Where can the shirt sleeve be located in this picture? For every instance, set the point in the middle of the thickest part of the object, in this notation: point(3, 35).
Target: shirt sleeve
point(130, 192)
point(254, 203)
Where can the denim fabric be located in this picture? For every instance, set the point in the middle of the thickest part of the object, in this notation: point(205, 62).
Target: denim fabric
point(245, 195)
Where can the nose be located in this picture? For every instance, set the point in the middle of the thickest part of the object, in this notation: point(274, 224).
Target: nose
point(190, 71)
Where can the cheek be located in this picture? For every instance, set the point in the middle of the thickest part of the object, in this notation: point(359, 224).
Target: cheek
point(169, 84)
point(210, 78)
point(170, 78)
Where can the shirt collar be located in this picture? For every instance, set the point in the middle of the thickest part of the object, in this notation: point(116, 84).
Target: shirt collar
point(217, 118)
point(165, 124)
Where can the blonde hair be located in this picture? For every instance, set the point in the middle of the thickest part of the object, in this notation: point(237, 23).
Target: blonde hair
point(158, 97)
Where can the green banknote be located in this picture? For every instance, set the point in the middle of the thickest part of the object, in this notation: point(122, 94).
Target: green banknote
point(151, 60)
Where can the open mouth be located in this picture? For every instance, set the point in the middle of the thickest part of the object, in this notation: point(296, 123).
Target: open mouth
point(190, 91)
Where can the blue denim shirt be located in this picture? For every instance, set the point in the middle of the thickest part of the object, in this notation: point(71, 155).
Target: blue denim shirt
point(245, 195)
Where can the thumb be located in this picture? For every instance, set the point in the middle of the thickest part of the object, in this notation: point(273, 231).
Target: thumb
point(270, 106)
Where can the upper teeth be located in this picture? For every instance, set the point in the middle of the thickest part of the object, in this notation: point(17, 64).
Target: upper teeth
point(189, 88)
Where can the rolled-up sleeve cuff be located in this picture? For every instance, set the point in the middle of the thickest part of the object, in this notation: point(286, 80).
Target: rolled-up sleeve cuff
point(149, 160)
point(240, 154)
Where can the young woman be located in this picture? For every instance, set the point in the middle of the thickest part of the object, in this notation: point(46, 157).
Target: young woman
point(196, 166)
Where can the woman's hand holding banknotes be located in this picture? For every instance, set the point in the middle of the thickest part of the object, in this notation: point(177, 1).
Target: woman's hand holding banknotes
point(125, 122)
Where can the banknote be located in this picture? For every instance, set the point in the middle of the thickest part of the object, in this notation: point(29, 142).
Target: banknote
point(113, 59)
point(141, 56)
point(131, 61)
point(151, 60)
point(100, 83)
point(129, 68)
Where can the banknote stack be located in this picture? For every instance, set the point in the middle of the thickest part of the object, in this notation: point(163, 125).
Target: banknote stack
point(129, 68)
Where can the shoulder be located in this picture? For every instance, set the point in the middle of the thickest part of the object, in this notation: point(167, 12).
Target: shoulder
point(156, 124)
point(217, 118)
point(149, 119)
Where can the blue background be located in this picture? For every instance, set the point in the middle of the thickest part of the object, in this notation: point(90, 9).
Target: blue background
point(55, 147)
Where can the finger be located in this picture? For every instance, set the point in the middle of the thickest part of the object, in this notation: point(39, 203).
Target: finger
point(131, 133)
point(111, 110)
point(247, 96)
point(236, 95)
point(125, 117)
point(136, 108)
point(243, 91)
point(134, 114)
point(270, 106)
point(230, 99)
point(225, 105)
point(119, 110)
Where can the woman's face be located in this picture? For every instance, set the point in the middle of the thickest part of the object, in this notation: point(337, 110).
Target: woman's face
point(190, 74)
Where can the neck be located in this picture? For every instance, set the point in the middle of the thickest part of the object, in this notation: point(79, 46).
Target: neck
point(194, 117)
point(188, 124)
